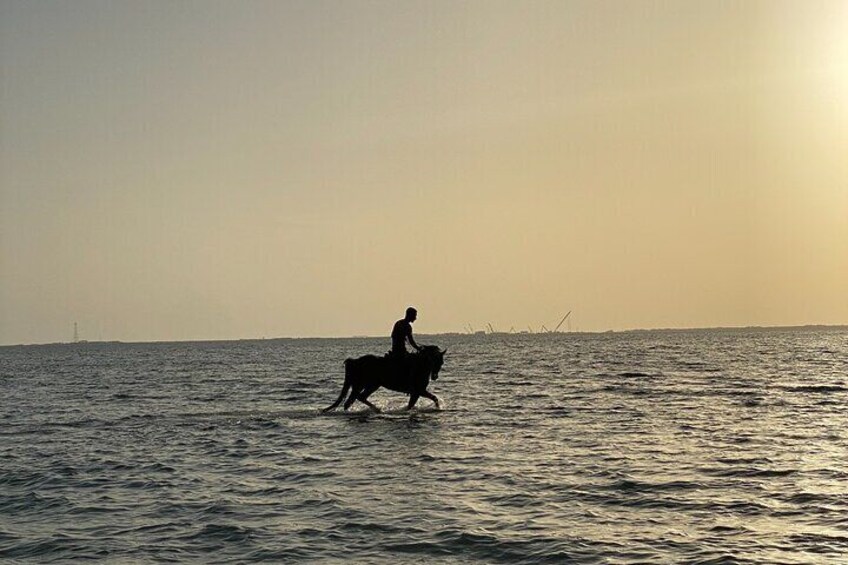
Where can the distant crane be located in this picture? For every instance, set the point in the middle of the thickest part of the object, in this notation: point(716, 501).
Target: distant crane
point(556, 329)
point(491, 329)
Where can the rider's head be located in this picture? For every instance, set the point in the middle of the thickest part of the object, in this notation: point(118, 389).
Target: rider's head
point(411, 314)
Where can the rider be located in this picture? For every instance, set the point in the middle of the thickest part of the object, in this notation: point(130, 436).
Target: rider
point(401, 332)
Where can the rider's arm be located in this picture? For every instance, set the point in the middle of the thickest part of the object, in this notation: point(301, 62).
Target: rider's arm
point(412, 341)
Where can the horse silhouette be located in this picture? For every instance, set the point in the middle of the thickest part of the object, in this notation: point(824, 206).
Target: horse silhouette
point(409, 373)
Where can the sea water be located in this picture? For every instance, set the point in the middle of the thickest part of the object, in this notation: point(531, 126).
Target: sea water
point(720, 446)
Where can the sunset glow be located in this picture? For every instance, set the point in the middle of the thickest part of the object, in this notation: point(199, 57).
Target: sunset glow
point(220, 170)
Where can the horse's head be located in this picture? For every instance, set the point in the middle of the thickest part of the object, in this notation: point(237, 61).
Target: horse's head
point(436, 358)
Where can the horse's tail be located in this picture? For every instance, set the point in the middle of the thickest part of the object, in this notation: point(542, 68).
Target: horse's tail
point(345, 388)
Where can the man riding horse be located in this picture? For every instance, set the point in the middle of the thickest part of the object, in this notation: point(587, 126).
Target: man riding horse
point(398, 370)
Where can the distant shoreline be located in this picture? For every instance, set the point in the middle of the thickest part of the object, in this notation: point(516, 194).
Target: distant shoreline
point(808, 327)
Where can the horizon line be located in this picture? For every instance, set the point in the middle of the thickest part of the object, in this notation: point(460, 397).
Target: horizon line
point(436, 334)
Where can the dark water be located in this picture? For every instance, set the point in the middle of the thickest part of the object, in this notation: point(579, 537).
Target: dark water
point(697, 447)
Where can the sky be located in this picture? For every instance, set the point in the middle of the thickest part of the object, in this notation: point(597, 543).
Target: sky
point(220, 170)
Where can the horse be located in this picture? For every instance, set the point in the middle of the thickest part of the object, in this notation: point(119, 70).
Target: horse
point(410, 374)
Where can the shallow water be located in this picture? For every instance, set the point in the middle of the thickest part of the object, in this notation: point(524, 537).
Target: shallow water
point(703, 446)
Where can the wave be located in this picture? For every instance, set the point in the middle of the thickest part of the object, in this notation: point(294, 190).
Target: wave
point(630, 485)
point(820, 543)
point(220, 533)
point(749, 472)
point(33, 503)
point(494, 548)
point(816, 389)
point(53, 547)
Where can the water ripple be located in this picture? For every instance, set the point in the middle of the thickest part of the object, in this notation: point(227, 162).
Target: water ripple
point(692, 446)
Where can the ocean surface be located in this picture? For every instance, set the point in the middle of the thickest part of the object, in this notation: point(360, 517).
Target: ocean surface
point(712, 446)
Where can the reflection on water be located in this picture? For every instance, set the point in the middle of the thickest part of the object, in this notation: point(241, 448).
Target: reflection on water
point(711, 446)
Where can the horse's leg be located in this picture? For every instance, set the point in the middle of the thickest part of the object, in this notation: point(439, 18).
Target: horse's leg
point(431, 396)
point(354, 392)
point(413, 398)
point(368, 391)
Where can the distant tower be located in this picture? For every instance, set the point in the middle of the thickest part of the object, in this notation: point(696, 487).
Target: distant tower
point(76, 333)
